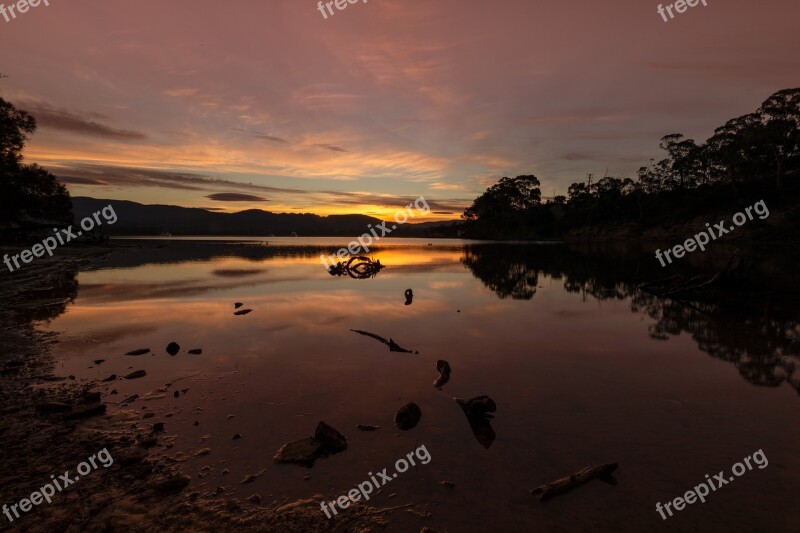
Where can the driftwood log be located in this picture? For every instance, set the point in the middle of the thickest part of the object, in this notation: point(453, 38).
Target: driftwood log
point(566, 484)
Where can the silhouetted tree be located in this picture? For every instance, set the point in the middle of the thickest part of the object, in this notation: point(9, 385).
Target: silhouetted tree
point(29, 194)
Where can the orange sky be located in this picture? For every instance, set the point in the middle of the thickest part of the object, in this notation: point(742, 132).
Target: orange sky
point(266, 104)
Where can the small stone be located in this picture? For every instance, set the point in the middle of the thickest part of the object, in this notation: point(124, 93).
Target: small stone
point(203, 452)
point(196, 351)
point(243, 312)
point(141, 351)
point(255, 498)
point(196, 423)
point(237, 437)
point(149, 415)
point(136, 374)
point(176, 394)
point(408, 416)
point(158, 427)
point(219, 490)
point(448, 484)
point(99, 361)
point(112, 377)
point(173, 348)
point(367, 427)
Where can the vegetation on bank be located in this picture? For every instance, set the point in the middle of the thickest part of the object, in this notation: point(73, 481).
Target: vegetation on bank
point(31, 196)
point(752, 157)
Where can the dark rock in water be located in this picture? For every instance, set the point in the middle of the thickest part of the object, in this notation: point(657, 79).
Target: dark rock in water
point(242, 312)
point(136, 374)
point(326, 441)
point(479, 406)
point(112, 377)
point(158, 427)
point(444, 373)
point(141, 351)
point(196, 351)
point(173, 348)
point(409, 296)
point(86, 412)
point(303, 452)
point(330, 438)
point(408, 416)
point(237, 305)
point(367, 427)
point(99, 361)
point(478, 411)
point(53, 407)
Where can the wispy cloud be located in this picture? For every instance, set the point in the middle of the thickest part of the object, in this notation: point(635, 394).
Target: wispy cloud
point(48, 116)
point(235, 197)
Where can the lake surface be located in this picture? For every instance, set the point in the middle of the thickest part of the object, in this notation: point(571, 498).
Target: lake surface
point(584, 369)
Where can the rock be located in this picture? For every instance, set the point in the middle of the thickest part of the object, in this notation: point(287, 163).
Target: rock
point(173, 348)
point(86, 412)
point(53, 407)
point(176, 394)
point(196, 423)
point(136, 374)
point(479, 407)
point(99, 361)
point(443, 367)
point(408, 416)
point(158, 427)
point(366, 427)
point(172, 485)
point(409, 296)
point(303, 452)
point(148, 442)
point(237, 305)
point(140, 351)
point(196, 351)
point(330, 438)
point(112, 377)
point(255, 498)
point(237, 437)
point(241, 312)
point(130, 399)
point(219, 490)
point(203, 452)
point(448, 484)
point(91, 397)
point(149, 415)
point(232, 506)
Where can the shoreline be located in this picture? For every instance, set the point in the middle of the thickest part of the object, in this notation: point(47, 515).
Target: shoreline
point(144, 488)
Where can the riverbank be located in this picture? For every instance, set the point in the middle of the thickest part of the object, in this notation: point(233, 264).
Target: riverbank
point(51, 423)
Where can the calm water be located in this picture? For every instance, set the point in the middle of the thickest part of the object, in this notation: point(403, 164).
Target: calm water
point(584, 370)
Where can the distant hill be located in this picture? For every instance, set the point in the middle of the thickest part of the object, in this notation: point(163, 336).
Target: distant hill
point(140, 219)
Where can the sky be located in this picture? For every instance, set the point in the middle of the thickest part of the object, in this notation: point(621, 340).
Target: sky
point(267, 104)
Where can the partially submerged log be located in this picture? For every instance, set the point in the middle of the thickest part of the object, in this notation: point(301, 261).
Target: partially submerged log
point(393, 346)
point(566, 484)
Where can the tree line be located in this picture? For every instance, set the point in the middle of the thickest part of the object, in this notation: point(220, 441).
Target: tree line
point(754, 154)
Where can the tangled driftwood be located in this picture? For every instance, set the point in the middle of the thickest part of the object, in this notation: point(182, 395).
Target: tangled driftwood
point(357, 267)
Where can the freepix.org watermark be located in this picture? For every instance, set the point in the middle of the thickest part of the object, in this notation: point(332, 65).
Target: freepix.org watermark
point(702, 490)
point(340, 5)
point(366, 240)
point(680, 7)
point(21, 7)
point(363, 490)
point(62, 236)
point(63, 481)
point(701, 239)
